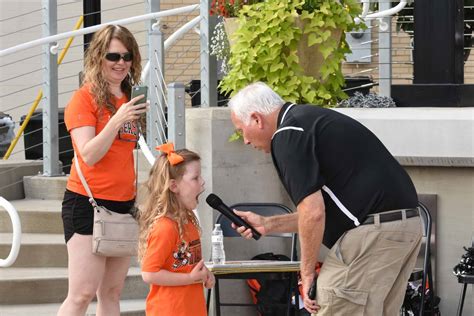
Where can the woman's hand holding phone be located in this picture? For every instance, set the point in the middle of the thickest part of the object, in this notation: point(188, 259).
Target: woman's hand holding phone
point(138, 91)
point(133, 109)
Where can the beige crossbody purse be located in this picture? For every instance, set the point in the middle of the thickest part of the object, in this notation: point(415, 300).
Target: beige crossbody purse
point(114, 234)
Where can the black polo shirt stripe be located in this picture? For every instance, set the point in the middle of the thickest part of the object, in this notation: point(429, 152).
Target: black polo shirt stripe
point(341, 206)
point(287, 128)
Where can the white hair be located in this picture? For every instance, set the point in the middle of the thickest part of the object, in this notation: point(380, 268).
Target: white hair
point(256, 97)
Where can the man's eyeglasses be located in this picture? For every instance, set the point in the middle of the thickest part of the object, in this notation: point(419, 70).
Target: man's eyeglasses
point(117, 56)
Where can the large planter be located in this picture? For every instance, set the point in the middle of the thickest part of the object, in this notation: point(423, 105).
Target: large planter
point(231, 25)
point(310, 58)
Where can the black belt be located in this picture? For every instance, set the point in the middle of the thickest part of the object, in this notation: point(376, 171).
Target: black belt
point(391, 216)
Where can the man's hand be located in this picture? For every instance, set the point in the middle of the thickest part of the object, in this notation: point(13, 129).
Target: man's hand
point(257, 221)
point(310, 305)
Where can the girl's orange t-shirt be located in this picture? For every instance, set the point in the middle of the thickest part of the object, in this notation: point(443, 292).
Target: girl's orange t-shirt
point(113, 177)
point(166, 251)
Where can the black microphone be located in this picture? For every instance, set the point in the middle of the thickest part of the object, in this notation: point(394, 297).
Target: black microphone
point(216, 203)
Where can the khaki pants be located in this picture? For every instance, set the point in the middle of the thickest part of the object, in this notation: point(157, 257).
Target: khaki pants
point(366, 272)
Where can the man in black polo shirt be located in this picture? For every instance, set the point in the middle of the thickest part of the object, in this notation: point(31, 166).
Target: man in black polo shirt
point(351, 195)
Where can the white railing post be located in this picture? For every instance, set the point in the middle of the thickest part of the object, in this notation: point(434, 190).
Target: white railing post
point(208, 62)
point(50, 92)
point(176, 115)
point(156, 120)
point(16, 239)
point(385, 53)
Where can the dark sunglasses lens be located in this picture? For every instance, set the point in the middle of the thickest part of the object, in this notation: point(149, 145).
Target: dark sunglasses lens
point(117, 56)
point(112, 56)
point(127, 56)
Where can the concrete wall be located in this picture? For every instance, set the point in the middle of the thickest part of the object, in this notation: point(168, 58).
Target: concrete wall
point(435, 145)
point(11, 177)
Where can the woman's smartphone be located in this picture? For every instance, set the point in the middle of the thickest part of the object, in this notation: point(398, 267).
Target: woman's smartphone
point(139, 90)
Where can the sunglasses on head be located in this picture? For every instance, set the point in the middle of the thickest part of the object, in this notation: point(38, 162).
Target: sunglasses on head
point(117, 56)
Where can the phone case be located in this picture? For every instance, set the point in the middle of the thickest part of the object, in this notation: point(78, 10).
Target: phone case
point(139, 90)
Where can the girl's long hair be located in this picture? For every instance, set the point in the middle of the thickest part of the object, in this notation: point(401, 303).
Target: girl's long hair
point(95, 57)
point(161, 201)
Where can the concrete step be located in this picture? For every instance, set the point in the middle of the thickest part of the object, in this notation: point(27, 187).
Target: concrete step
point(44, 188)
point(36, 216)
point(127, 308)
point(20, 286)
point(36, 250)
point(52, 188)
point(40, 250)
point(12, 172)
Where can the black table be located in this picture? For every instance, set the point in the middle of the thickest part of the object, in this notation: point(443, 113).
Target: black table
point(464, 280)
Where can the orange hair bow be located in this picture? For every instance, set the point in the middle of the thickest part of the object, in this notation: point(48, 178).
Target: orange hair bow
point(173, 157)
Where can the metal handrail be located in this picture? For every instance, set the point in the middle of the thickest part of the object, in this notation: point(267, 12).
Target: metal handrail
point(167, 44)
point(16, 240)
point(385, 13)
point(379, 15)
point(92, 29)
point(40, 95)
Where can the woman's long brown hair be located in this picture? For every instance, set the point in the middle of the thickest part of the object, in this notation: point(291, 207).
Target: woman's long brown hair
point(95, 57)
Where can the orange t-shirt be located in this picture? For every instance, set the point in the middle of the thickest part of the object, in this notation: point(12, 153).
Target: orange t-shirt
point(113, 177)
point(166, 251)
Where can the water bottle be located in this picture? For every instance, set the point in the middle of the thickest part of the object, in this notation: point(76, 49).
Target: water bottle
point(217, 238)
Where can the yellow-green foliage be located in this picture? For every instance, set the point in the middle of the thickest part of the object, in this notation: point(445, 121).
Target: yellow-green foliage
point(266, 42)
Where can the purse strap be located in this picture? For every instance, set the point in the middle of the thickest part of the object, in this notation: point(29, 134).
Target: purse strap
point(86, 186)
point(84, 182)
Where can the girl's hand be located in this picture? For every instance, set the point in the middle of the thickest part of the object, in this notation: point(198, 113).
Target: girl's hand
point(210, 281)
point(199, 273)
point(131, 110)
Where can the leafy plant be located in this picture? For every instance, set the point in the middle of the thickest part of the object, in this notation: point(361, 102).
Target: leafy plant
point(266, 44)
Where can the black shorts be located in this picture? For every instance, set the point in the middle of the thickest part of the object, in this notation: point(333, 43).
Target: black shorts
point(78, 214)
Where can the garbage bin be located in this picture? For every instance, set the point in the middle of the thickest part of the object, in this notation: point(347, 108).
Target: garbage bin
point(6, 132)
point(33, 138)
point(193, 88)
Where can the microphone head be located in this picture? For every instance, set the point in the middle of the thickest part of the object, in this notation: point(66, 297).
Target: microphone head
point(213, 200)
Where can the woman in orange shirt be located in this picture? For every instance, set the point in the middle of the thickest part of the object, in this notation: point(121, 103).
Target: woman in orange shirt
point(170, 247)
point(102, 122)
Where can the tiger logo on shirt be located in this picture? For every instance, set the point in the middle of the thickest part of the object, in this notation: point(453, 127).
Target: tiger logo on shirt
point(187, 254)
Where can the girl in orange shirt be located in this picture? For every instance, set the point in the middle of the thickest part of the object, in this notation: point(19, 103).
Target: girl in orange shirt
point(170, 246)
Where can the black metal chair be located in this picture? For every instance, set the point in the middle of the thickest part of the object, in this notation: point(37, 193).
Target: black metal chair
point(464, 280)
point(425, 274)
point(265, 209)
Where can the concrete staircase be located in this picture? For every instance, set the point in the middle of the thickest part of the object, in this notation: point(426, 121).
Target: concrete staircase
point(37, 282)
